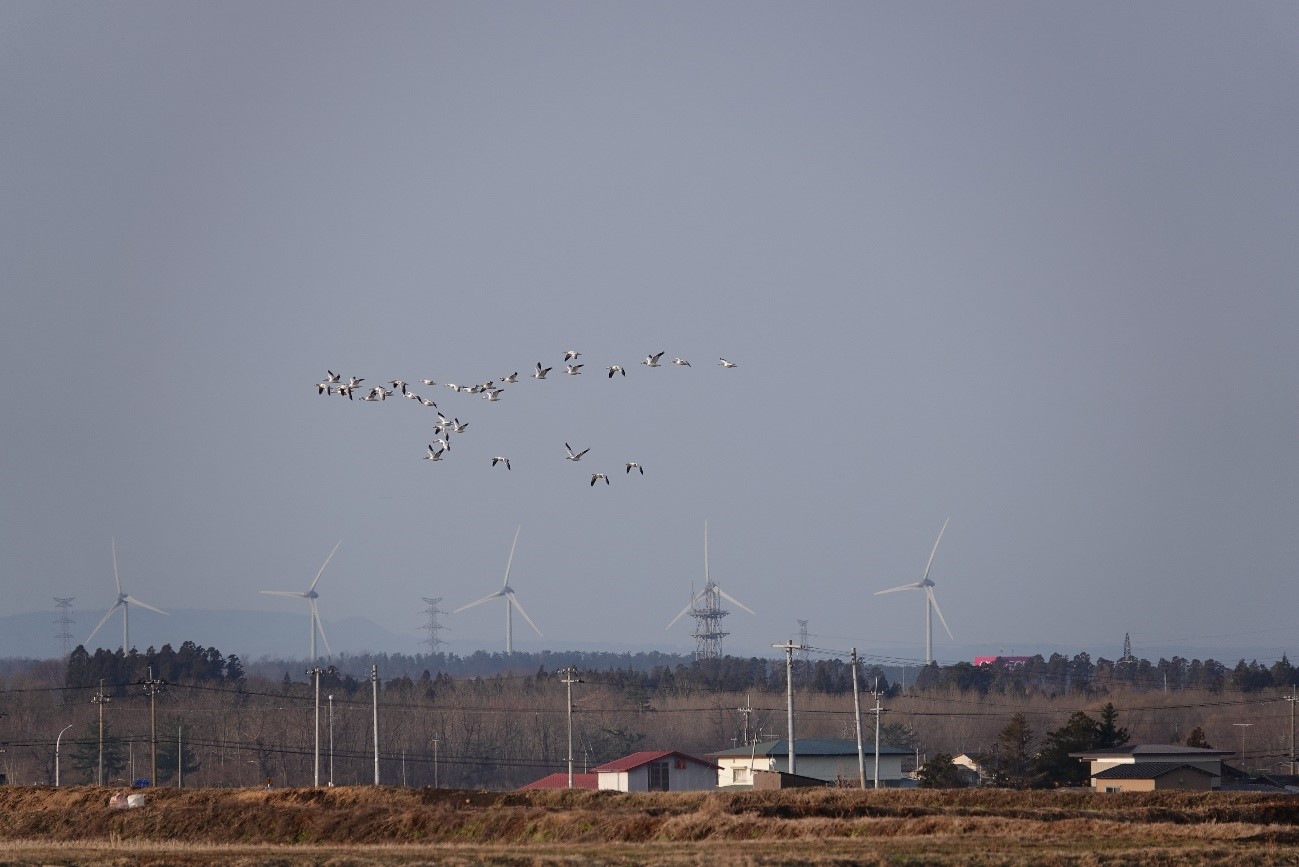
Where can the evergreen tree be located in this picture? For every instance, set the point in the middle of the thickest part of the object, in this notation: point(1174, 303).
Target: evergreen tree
point(1108, 734)
point(167, 759)
point(1012, 754)
point(940, 772)
point(1196, 739)
point(1054, 765)
point(85, 754)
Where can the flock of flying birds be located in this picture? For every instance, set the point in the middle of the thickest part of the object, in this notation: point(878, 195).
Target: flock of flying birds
point(333, 384)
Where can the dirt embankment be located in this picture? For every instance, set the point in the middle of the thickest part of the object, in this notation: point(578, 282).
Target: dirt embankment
point(367, 815)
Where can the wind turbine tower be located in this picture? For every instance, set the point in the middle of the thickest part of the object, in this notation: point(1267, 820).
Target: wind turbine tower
point(931, 604)
point(311, 596)
point(124, 602)
point(706, 609)
point(511, 602)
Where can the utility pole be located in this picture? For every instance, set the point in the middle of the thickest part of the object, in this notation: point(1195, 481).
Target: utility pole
point(180, 756)
point(570, 678)
point(331, 740)
point(789, 647)
point(152, 687)
point(1292, 698)
point(100, 699)
point(878, 711)
point(1242, 727)
point(315, 672)
point(746, 712)
point(856, 712)
point(374, 690)
point(435, 763)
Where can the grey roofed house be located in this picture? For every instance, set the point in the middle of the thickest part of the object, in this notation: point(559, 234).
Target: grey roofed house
point(1152, 776)
point(829, 759)
point(1149, 757)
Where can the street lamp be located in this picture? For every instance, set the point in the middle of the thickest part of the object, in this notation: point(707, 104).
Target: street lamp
point(56, 754)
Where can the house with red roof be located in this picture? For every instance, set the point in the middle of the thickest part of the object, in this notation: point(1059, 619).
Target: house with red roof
point(657, 771)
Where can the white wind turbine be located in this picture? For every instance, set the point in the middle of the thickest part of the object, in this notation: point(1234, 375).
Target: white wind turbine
point(124, 601)
point(931, 604)
point(506, 592)
point(311, 596)
point(710, 587)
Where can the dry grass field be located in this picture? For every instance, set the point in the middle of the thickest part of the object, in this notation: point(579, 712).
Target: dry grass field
point(389, 826)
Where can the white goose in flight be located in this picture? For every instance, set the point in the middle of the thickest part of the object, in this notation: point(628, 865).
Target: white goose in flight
point(595, 477)
point(652, 360)
point(724, 363)
point(574, 456)
point(501, 460)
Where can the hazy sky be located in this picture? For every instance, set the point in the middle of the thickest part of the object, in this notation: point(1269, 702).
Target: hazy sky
point(1030, 266)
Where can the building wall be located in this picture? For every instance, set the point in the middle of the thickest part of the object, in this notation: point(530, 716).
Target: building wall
point(1185, 780)
point(833, 768)
point(1125, 785)
point(692, 778)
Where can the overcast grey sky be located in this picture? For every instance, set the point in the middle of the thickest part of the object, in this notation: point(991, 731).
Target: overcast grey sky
point(1028, 265)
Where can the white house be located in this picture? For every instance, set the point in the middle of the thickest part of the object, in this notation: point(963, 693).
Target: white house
point(829, 759)
point(657, 771)
point(1119, 768)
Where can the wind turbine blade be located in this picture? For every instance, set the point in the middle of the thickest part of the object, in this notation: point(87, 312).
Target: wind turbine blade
point(705, 554)
point(729, 598)
point(295, 594)
point(915, 586)
point(116, 579)
point(134, 601)
point(104, 619)
point(510, 562)
point(320, 627)
point(935, 550)
point(694, 597)
point(323, 565)
point(486, 598)
point(515, 603)
point(929, 591)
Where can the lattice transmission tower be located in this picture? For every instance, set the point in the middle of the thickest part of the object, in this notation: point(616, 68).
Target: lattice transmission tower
point(432, 625)
point(64, 622)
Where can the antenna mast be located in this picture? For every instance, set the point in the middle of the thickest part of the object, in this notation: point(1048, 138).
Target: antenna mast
point(432, 626)
point(64, 621)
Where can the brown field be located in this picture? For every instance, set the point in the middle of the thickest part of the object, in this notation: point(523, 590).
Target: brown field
point(387, 826)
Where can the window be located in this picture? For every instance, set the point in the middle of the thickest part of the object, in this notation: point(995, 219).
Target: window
point(658, 776)
point(1113, 789)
